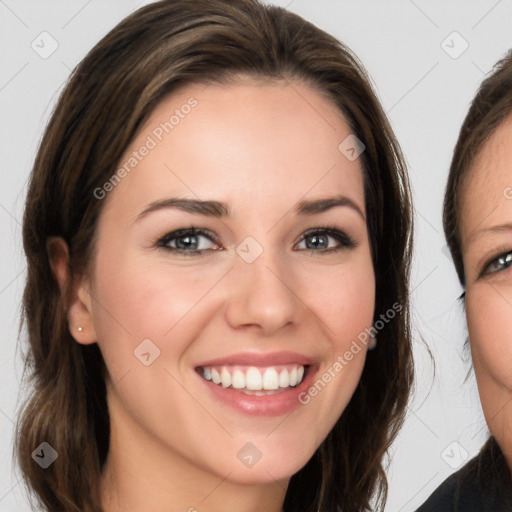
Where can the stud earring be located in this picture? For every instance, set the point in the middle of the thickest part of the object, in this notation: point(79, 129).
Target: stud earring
point(373, 343)
point(80, 329)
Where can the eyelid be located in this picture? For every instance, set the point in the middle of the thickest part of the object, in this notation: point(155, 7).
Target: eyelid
point(498, 253)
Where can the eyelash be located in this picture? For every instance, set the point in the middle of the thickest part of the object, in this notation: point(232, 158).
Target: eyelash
point(345, 241)
point(493, 260)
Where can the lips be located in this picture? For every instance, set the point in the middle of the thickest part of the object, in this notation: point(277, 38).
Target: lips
point(258, 384)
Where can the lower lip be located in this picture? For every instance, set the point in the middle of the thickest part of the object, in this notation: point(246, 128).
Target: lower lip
point(270, 405)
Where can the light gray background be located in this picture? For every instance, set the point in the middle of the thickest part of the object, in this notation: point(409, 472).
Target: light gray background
point(426, 93)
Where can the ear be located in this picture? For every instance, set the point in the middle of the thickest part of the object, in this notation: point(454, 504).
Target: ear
point(76, 289)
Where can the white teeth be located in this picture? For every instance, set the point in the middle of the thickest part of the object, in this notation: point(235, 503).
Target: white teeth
point(284, 379)
point(225, 377)
point(216, 376)
point(270, 379)
point(238, 379)
point(253, 379)
point(293, 377)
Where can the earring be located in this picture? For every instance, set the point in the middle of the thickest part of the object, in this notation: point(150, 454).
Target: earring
point(80, 329)
point(373, 343)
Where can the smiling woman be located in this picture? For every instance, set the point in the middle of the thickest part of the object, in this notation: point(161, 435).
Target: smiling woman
point(195, 273)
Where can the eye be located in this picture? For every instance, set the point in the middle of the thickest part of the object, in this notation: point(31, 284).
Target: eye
point(502, 262)
point(319, 238)
point(187, 241)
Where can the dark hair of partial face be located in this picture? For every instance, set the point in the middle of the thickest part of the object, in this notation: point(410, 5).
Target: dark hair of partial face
point(147, 56)
point(489, 108)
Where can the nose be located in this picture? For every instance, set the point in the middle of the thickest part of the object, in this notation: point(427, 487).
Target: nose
point(262, 295)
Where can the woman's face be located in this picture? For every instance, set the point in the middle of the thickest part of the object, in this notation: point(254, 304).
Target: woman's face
point(486, 236)
point(257, 297)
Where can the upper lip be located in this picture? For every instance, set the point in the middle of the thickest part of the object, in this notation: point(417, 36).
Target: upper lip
point(260, 359)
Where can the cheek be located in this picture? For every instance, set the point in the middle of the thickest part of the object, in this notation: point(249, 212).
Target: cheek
point(135, 299)
point(489, 319)
point(346, 300)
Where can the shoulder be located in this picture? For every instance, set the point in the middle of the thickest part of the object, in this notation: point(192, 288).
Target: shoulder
point(482, 485)
point(443, 499)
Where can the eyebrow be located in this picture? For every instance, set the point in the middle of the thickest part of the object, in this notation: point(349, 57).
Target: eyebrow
point(219, 209)
point(493, 229)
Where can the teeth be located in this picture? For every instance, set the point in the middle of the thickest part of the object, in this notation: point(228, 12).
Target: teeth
point(270, 379)
point(284, 379)
point(225, 377)
point(293, 377)
point(215, 376)
point(238, 381)
point(254, 380)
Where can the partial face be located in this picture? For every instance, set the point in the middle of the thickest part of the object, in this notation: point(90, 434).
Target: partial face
point(248, 303)
point(486, 233)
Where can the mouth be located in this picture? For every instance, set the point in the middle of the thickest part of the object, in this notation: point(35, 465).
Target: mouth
point(254, 380)
point(258, 384)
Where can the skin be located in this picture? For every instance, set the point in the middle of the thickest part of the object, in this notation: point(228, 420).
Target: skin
point(261, 148)
point(486, 236)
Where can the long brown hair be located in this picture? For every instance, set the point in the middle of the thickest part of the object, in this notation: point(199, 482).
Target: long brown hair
point(111, 92)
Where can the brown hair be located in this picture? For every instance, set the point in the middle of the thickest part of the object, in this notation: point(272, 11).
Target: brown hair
point(111, 92)
point(491, 105)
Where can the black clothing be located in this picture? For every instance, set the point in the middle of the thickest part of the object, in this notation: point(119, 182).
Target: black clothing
point(482, 485)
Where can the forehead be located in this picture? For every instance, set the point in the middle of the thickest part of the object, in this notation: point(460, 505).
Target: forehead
point(252, 139)
point(483, 196)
